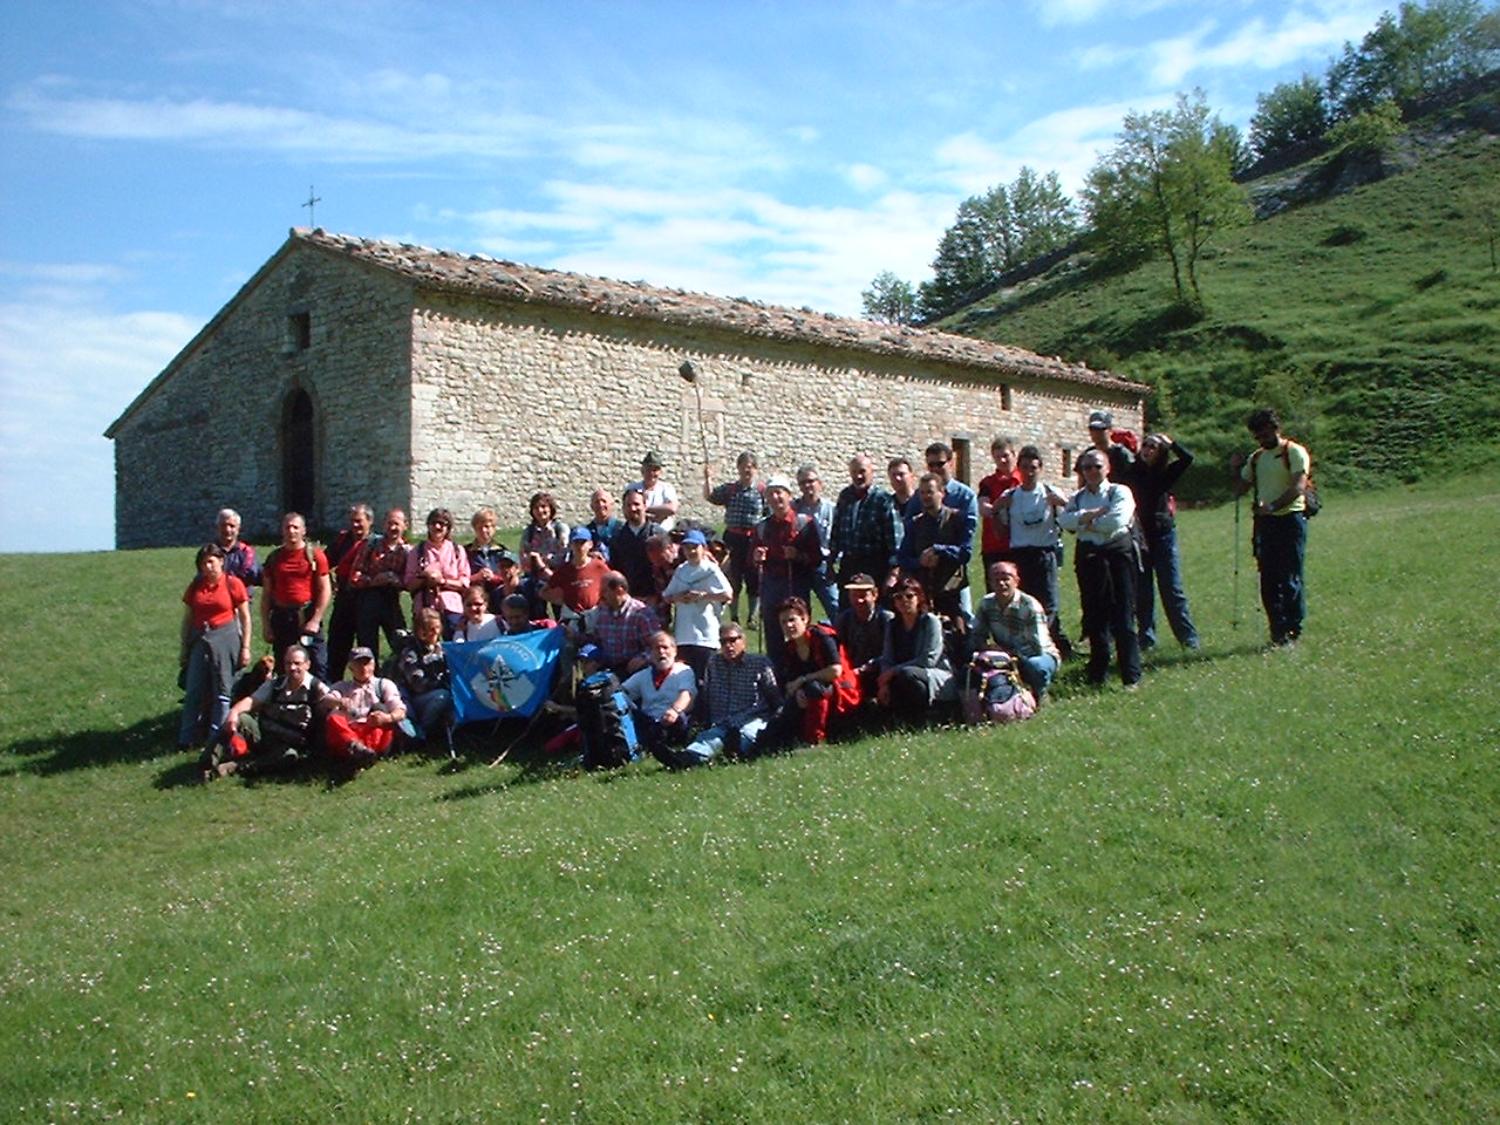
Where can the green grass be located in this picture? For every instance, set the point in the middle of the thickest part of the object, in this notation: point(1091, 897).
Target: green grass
point(1261, 888)
point(1368, 318)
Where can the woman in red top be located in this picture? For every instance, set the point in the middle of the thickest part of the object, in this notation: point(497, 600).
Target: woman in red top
point(215, 642)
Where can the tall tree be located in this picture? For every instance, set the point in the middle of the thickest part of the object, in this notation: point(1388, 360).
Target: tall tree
point(996, 231)
point(889, 299)
point(1293, 112)
point(1419, 50)
point(1167, 185)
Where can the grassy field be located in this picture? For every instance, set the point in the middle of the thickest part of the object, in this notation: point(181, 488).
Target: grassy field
point(1261, 888)
point(1371, 319)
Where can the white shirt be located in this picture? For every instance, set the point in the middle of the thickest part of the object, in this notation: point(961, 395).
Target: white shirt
point(487, 629)
point(653, 700)
point(1031, 518)
point(697, 623)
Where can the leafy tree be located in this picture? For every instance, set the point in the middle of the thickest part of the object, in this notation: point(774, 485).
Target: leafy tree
point(1419, 50)
point(1293, 112)
point(994, 232)
point(1371, 130)
point(889, 299)
point(1167, 185)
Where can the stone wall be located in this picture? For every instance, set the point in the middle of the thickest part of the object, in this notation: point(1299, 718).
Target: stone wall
point(508, 399)
point(209, 435)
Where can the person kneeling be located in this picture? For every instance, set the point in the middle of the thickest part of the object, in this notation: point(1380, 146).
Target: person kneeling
point(661, 695)
point(1014, 622)
point(741, 694)
point(361, 714)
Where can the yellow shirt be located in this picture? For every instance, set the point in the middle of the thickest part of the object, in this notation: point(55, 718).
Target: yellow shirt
point(1272, 474)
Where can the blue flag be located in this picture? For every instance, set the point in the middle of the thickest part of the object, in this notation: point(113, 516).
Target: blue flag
point(508, 676)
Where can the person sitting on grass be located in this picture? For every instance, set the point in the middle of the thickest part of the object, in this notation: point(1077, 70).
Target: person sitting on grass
point(739, 695)
point(662, 695)
point(273, 727)
point(1014, 622)
point(361, 715)
point(914, 670)
point(422, 672)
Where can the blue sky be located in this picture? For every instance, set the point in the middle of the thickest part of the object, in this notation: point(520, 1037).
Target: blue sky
point(156, 152)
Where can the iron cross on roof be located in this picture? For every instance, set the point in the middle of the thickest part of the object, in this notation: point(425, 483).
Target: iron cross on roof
point(312, 199)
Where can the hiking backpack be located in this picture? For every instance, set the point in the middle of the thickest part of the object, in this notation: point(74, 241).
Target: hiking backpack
point(605, 723)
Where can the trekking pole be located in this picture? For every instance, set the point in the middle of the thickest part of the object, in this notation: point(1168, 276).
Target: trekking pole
point(1234, 621)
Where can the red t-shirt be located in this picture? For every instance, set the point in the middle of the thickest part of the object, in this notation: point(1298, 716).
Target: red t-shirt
point(581, 585)
point(996, 535)
point(288, 577)
point(212, 606)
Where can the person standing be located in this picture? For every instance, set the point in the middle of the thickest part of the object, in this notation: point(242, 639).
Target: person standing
point(866, 531)
point(377, 578)
point(215, 642)
point(1277, 473)
point(343, 553)
point(1161, 463)
point(960, 497)
point(744, 502)
point(787, 551)
point(818, 508)
point(1030, 511)
point(298, 591)
point(661, 497)
point(995, 532)
point(697, 591)
point(1105, 561)
point(935, 550)
point(239, 556)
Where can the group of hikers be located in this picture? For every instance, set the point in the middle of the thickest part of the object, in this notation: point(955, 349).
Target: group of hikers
point(654, 607)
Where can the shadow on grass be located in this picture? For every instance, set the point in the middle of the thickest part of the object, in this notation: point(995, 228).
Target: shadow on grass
point(144, 741)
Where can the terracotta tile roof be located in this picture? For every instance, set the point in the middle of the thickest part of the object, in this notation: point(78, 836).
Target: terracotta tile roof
point(482, 276)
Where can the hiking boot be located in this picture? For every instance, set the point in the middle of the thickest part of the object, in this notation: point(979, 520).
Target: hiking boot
point(360, 755)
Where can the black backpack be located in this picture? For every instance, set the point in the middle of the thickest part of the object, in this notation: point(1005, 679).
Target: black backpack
point(605, 723)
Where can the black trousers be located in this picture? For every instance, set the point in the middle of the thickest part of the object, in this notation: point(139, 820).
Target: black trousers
point(1106, 589)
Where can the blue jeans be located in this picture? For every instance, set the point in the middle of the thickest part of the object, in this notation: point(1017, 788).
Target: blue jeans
point(708, 744)
point(1037, 672)
point(826, 592)
point(1038, 567)
point(1280, 549)
point(1163, 560)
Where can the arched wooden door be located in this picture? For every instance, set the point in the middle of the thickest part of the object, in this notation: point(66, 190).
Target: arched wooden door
point(299, 456)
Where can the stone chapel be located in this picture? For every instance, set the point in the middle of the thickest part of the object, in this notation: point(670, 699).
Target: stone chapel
point(352, 370)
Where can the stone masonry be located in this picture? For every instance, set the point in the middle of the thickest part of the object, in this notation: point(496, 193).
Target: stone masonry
point(444, 380)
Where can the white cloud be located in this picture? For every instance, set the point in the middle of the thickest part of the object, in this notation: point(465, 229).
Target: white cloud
point(865, 177)
point(1066, 142)
point(68, 367)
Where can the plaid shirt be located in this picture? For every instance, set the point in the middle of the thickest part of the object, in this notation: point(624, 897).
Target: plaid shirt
point(378, 557)
point(740, 690)
point(744, 506)
point(866, 526)
point(1019, 627)
point(621, 633)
